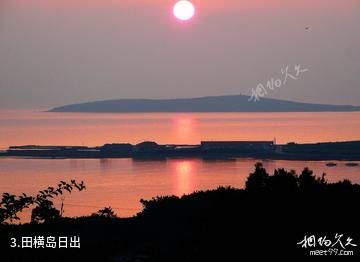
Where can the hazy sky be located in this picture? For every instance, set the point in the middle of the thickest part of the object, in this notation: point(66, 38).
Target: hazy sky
point(55, 52)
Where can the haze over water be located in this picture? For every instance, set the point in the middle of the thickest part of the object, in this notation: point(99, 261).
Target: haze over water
point(93, 129)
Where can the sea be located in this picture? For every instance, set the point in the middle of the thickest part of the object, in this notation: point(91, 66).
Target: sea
point(121, 183)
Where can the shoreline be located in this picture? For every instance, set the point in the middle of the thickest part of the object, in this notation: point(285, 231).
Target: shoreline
point(205, 158)
point(207, 150)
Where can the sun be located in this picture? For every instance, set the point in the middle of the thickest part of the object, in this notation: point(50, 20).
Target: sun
point(184, 10)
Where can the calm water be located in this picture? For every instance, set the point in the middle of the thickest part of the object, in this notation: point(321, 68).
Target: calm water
point(121, 183)
point(26, 127)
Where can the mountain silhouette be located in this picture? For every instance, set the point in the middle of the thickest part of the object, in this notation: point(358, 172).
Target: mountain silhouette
point(231, 103)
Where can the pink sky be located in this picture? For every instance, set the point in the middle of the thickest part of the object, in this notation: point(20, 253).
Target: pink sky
point(223, 5)
point(56, 52)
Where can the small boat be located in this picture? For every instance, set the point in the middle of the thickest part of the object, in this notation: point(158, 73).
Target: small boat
point(351, 164)
point(331, 164)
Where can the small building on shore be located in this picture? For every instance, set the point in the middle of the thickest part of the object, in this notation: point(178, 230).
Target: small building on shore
point(237, 145)
point(117, 148)
point(148, 147)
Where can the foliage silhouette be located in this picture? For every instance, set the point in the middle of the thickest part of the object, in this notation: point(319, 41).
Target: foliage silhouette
point(283, 181)
point(309, 182)
point(11, 205)
point(269, 216)
point(44, 212)
point(258, 180)
point(106, 212)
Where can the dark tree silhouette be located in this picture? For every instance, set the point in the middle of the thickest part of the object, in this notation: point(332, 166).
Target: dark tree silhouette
point(257, 181)
point(107, 212)
point(309, 182)
point(283, 181)
point(44, 212)
point(11, 205)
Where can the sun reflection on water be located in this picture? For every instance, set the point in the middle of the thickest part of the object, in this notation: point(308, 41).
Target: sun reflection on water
point(183, 177)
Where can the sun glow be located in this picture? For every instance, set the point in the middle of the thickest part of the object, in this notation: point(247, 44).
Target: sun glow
point(184, 10)
point(184, 177)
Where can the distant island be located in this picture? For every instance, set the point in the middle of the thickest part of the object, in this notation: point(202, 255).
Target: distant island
point(349, 151)
point(231, 103)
